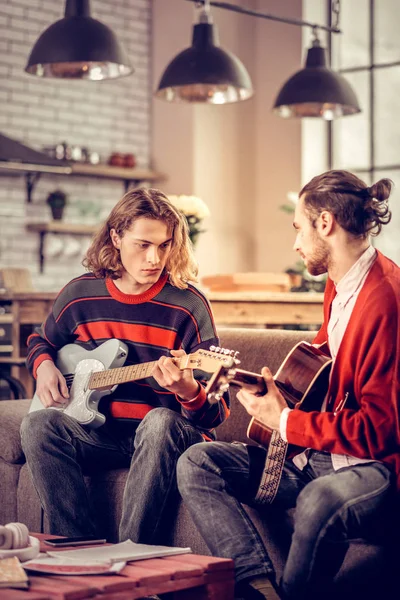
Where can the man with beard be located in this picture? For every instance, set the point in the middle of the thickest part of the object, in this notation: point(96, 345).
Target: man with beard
point(344, 472)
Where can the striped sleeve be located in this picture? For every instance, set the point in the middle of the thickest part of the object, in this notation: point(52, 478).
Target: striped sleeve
point(201, 335)
point(54, 333)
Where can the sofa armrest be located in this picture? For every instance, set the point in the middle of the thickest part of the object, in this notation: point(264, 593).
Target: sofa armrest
point(11, 414)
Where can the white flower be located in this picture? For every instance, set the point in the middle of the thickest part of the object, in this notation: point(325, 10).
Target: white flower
point(190, 206)
point(293, 197)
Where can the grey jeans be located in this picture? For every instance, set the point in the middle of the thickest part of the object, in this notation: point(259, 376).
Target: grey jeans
point(332, 508)
point(59, 452)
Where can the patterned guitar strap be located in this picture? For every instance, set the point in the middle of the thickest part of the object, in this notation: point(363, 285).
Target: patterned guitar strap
point(272, 471)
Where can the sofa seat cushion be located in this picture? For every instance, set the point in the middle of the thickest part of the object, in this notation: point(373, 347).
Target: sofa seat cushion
point(11, 414)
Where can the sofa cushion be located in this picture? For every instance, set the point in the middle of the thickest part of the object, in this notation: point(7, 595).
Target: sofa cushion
point(11, 414)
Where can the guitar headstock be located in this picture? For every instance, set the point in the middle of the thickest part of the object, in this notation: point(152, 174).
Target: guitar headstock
point(219, 383)
point(211, 360)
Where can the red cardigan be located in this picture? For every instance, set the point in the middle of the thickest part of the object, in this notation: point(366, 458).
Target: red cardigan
point(367, 369)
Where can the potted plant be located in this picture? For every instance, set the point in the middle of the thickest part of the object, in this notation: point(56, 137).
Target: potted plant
point(57, 201)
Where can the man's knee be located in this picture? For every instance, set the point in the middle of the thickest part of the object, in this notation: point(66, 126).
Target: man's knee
point(162, 427)
point(158, 421)
point(318, 503)
point(188, 464)
point(35, 427)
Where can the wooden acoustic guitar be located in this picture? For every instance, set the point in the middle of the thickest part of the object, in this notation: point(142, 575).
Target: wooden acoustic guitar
point(302, 379)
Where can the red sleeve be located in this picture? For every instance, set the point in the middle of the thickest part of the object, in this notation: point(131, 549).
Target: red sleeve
point(367, 369)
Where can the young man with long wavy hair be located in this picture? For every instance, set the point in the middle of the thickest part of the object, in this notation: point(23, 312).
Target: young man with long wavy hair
point(138, 289)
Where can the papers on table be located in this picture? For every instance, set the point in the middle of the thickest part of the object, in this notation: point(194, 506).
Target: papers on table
point(69, 566)
point(125, 551)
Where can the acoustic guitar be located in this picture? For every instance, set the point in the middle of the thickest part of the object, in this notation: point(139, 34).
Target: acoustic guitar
point(302, 379)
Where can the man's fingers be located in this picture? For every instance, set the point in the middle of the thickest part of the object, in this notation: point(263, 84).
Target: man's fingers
point(178, 353)
point(63, 386)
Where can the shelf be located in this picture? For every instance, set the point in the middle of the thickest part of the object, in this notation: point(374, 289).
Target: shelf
point(8, 318)
point(10, 360)
point(110, 172)
point(33, 172)
point(10, 167)
point(62, 227)
point(58, 227)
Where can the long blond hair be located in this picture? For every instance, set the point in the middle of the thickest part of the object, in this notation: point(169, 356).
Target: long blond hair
point(103, 259)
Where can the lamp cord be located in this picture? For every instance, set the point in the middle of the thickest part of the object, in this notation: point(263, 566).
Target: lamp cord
point(256, 13)
point(335, 7)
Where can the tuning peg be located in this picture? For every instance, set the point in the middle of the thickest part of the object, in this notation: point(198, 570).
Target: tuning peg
point(215, 348)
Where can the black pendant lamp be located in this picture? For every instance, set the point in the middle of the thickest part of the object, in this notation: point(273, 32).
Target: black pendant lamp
point(78, 47)
point(205, 72)
point(316, 91)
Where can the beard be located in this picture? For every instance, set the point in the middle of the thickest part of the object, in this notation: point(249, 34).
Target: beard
point(318, 262)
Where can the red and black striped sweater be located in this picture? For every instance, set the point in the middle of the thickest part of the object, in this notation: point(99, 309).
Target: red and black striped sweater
point(89, 311)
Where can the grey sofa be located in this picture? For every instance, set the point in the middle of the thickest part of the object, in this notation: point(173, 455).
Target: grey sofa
point(367, 571)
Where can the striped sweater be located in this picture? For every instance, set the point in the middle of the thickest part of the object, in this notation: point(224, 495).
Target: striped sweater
point(89, 311)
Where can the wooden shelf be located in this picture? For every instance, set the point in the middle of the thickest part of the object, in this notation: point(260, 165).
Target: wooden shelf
point(9, 360)
point(62, 227)
point(33, 172)
point(58, 227)
point(83, 169)
point(27, 310)
point(110, 172)
point(7, 318)
point(8, 167)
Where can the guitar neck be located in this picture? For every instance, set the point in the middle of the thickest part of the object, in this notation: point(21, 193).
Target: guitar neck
point(111, 377)
point(250, 381)
point(203, 360)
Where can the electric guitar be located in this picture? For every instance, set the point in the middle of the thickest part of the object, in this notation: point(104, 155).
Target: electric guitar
point(92, 374)
point(302, 379)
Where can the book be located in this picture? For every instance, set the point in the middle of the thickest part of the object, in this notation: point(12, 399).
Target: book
point(12, 574)
point(124, 551)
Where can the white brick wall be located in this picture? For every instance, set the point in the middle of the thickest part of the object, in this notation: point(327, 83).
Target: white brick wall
point(104, 116)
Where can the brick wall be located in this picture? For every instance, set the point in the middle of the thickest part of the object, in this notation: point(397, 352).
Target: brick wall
point(103, 116)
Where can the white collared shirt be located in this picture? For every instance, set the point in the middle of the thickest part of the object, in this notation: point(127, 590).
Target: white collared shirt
point(347, 291)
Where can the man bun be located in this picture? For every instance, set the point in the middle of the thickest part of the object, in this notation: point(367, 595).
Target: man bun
point(381, 189)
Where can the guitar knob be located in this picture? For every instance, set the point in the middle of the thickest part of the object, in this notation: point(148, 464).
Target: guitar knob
point(213, 348)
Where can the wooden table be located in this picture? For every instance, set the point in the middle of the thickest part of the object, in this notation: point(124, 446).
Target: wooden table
point(186, 576)
point(264, 309)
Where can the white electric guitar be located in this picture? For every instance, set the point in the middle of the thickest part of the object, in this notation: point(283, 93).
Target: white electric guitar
point(92, 374)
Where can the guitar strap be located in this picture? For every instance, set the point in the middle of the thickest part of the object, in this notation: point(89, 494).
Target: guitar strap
point(272, 471)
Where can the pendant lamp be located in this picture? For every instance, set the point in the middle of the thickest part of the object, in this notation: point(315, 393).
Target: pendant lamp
point(78, 47)
point(316, 91)
point(205, 72)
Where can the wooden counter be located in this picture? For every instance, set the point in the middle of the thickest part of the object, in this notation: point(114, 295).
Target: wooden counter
point(264, 309)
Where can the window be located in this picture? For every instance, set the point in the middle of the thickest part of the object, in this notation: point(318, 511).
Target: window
point(367, 53)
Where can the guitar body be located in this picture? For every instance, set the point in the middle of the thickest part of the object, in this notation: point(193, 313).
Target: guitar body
point(302, 379)
point(75, 360)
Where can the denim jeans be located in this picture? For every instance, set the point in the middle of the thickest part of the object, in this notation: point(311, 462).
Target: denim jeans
point(332, 508)
point(59, 452)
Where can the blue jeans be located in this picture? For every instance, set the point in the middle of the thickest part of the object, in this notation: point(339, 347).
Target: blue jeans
point(60, 452)
point(332, 508)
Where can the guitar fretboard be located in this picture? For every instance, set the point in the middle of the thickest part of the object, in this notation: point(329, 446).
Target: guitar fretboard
point(111, 377)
